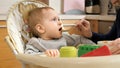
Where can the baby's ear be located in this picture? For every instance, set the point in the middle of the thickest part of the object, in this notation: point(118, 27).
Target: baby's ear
point(40, 28)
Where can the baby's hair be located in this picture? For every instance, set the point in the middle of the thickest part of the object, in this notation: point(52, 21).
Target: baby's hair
point(24, 9)
point(35, 17)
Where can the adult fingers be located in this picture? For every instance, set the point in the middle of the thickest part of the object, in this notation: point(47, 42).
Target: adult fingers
point(115, 47)
point(83, 24)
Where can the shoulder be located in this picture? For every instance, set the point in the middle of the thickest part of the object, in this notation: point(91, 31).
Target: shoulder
point(32, 40)
point(118, 13)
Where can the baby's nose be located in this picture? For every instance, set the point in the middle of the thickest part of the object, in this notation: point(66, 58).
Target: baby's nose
point(60, 22)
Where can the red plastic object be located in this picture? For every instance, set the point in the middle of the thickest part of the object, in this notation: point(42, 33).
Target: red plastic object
point(102, 51)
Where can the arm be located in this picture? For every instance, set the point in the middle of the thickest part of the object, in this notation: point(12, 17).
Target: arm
point(30, 49)
point(35, 47)
point(112, 34)
point(85, 29)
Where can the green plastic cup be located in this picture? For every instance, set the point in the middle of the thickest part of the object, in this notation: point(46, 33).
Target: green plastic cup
point(68, 51)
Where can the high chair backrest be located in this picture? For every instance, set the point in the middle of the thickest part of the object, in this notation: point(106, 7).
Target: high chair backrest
point(16, 26)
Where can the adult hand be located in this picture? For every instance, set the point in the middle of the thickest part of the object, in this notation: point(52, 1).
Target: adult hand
point(115, 46)
point(84, 27)
point(52, 53)
point(114, 1)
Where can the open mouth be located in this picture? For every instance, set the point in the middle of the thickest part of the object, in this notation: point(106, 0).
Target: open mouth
point(60, 29)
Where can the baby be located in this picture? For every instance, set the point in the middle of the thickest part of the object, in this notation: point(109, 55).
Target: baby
point(45, 25)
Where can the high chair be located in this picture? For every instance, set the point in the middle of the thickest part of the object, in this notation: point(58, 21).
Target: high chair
point(18, 36)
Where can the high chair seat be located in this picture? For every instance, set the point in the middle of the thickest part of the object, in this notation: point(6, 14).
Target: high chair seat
point(18, 36)
point(16, 26)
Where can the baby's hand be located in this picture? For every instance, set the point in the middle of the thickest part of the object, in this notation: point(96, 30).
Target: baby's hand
point(52, 53)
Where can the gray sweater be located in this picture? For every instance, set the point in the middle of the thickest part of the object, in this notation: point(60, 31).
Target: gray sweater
point(38, 45)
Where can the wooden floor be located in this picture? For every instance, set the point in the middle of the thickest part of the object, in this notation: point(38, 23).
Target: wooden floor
point(7, 58)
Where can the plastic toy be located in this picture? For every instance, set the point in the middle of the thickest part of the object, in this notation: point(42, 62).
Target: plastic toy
point(86, 48)
point(68, 51)
point(102, 51)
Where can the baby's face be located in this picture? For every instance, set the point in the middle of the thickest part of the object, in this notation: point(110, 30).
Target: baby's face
point(52, 24)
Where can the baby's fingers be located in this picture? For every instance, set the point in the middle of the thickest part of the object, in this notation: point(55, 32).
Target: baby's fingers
point(52, 53)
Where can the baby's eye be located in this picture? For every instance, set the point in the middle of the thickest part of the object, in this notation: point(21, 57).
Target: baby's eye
point(56, 19)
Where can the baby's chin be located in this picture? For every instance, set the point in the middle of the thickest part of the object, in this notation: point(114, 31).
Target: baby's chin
point(58, 36)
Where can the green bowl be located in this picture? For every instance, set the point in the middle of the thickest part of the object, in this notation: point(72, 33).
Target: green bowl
point(68, 51)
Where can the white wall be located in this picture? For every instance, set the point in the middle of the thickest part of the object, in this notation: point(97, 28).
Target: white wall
point(56, 4)
point(5, 6)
